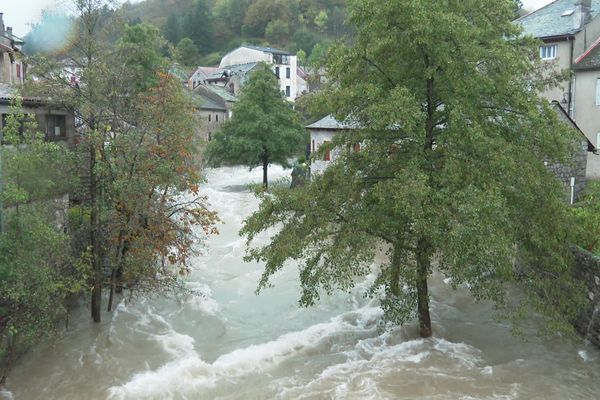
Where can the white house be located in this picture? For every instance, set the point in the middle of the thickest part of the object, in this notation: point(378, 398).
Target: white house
point(285, 65)
point(322, 132)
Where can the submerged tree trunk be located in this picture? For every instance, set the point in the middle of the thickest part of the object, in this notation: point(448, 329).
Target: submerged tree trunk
point(265, 166)
point(423, 262)
point(113, 281)
point(96, 260)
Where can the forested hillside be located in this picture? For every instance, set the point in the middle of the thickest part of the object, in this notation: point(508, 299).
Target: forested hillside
point(216, 26)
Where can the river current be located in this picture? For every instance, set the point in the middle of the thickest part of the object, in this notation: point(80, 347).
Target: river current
point(229, 343)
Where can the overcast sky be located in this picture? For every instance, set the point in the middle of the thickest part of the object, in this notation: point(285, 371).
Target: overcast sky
point(21, 13)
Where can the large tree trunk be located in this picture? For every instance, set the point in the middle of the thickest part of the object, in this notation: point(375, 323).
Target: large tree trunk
point(96, 260)
point(265, 166)
point(423, 262)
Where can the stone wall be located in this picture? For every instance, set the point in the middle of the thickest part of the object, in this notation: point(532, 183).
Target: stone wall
point(587, 270)
point(574, 169)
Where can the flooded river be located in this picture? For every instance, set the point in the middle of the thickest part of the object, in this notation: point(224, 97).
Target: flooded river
point(231, 344)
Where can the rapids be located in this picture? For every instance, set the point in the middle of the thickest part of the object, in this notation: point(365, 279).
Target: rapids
point(229, 343)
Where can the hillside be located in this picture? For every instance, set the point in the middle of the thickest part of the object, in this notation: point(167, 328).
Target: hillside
point(217, 26)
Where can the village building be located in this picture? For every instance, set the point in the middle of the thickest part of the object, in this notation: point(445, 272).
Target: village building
point(570, 35)
point(572, 175)
point(215, 107)
point(56, 124)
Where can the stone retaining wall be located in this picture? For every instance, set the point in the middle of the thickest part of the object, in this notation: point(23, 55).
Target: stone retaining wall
point(587, 270)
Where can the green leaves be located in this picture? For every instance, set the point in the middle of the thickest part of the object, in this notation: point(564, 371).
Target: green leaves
point(264, 128)
point(450, 172)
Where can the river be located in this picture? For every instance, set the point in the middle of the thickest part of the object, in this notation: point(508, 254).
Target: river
point(232, 344)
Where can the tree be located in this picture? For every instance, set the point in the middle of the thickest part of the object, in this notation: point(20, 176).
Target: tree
point(172, 28)
point(197, 25)
point(38, 275)
point(264, 128)
point(138, 136)
point(186, 52)
point(321, 20)
point(450, 173)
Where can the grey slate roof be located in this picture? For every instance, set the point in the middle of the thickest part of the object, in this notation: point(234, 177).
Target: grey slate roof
point(234, 69)
point(549, 22)
point(269, 50)
point(221, 92)
point(330, 123)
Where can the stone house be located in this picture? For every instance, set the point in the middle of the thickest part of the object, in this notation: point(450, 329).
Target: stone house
point(215, 105)
point(570, 34)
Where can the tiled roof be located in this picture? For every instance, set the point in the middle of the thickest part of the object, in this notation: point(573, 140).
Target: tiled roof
point(329, 122)
point(555, 19)
point(9, 92)
point(269, 50)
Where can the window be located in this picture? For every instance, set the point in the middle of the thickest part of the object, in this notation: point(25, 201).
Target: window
point(327, 152)
point(548, 52)
point(287, 72)
point(209, 136)
point(277, 72)
point(281, 59)
point(56, 126)
point(313, 145)
point(18, 70)
point(356, 147)
point(217, 117)
point(209, 116)
point(598, 91)
point(287, 91)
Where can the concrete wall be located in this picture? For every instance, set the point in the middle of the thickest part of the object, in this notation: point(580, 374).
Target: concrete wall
point(562, 62)
point(292, 81)
point(317, 138)
point(587, 115)
point(586, 37)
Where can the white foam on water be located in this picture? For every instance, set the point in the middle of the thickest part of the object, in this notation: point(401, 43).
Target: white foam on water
point(189, 373)
point(468, 356)
point(5, 394)
point(175, 344)
point(202, 299)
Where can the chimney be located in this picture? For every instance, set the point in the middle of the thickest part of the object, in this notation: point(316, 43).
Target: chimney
point(582, 14)
point(1, 24)
point(9, 32)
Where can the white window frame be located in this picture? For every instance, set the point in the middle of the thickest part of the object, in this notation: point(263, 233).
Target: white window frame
point(548, 51)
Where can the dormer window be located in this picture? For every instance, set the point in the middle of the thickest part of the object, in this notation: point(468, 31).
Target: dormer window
point(548, 52)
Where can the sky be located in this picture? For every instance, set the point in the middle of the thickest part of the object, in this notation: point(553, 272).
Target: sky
point(21, 13)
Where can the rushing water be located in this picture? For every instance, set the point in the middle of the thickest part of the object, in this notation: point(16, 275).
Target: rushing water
point(232, 344)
